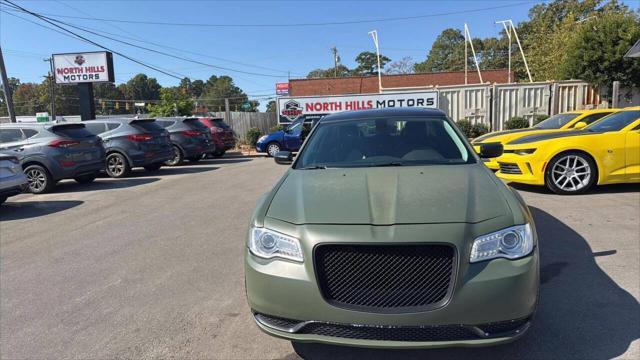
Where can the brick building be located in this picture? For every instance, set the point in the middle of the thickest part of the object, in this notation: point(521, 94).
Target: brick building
point(369, 84)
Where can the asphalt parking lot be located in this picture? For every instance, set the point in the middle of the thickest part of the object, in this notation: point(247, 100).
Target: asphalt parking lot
point(151, 267)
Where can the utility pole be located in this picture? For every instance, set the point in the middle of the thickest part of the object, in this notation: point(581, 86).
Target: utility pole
point(336, 60)
point(52, 88)
point(374, 36)
point(7, 89)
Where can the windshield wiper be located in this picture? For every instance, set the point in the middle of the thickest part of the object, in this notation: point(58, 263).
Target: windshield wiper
point(392, 163)
point(314, 167)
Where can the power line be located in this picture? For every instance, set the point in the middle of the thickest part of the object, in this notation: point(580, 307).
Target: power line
point(285, 25)
point(92, 42)
point(137, 38)
point(157, 51)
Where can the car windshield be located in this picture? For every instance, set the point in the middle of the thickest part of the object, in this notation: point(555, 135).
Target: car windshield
point(147, 125)
point(74, 131)
point(556, 121)
point(615, 122)
point(393, 141)
point(196, 124)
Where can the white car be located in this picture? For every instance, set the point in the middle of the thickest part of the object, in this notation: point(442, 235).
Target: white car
point(12, 178)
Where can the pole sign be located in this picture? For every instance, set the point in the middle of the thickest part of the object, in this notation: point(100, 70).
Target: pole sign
point(282, 89)
point(314, 107)
point(89, 67)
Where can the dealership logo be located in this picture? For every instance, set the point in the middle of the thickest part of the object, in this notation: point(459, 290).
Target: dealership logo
point(292, 110)
point(79, 60)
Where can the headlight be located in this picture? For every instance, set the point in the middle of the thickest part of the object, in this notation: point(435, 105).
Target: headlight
point(511, 243)
point(262, 138)
point(270, 244)
point(524, 151)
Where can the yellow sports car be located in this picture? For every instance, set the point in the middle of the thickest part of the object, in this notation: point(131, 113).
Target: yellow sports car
point(572, 120)
point(570, 162)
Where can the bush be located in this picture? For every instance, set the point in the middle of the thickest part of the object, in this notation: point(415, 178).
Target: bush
point(516, 123)
point(470, 130)
point(253, 135)
point(539, 119)
point(276, 128)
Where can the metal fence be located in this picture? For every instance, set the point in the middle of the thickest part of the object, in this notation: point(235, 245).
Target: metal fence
point(493, 105)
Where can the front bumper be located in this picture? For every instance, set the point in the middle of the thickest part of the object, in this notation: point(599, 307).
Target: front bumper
point(484, 293)
point(531, 169)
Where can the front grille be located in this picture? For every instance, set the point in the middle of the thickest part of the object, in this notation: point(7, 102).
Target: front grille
point(398, 333)
point(401, 333)
point(386, 278)
point(509, 168)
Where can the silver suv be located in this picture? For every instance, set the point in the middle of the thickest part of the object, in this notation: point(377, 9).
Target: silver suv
point(12, 179)
point(51, 152)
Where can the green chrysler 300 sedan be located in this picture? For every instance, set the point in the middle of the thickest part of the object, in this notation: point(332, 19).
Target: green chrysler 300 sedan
point(388, 231)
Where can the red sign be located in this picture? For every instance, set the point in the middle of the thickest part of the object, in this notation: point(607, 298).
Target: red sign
point(282, 88)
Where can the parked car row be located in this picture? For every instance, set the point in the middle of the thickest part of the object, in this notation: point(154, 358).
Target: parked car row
point(49, 152)
point(581, 150)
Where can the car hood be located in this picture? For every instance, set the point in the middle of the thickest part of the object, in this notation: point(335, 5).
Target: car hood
point(274, 135)
point(386, 196)
point(549, 136)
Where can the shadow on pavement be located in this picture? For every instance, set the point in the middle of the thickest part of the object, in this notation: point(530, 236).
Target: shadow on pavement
point(173, 170)
point(100, 184)
point(225, 160)
point(30, 209)
point(603, 189)
point(582, 314)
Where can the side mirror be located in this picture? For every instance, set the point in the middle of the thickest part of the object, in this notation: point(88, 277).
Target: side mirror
point(580, 125)
point(491, 150)
point(283, 157)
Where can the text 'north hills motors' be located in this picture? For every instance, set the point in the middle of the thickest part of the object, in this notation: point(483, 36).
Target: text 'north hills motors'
point(314, 107)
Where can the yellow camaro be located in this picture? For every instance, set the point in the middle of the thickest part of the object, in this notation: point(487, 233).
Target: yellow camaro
point(572, 120)
point(570, 162)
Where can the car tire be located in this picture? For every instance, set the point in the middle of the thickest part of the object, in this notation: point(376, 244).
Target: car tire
point(39, 179)
point(117, 166)
point(85, 179)
point(178, 157)
point(571, 173)
point(273, 148)
point(153, 167)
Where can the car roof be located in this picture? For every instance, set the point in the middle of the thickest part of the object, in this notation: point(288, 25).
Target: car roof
point(385, 112)
point(120, 120)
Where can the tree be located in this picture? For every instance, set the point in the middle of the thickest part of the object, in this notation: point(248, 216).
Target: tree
point(173, 102)
point(185, 85)
point(13, 84)
point(197, 87)
point(368, 63)
point(216, 89)
point(141, 87)
point(446, 54)
point(596, 52)
point(402, 66)
point(26, 101)
point(340, 71)
point(271, 106)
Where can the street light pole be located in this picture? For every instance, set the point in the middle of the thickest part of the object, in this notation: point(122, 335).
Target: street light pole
point(374, 36)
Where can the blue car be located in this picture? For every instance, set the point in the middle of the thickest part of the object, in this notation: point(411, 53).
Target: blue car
point(289, 139)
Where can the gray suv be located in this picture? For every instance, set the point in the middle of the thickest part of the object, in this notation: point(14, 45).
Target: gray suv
point(51, 152)
point(132, 143)
point(190, 138)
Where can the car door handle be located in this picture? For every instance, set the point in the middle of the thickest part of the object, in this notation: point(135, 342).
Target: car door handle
point(18, 149)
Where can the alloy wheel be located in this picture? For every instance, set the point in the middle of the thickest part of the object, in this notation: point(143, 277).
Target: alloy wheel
point(571, 173)
point(37, 180)
point(115, 164)
point(273, 149)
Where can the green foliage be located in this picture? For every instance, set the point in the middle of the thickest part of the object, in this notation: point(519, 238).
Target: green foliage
point(253, 134)
point(339, 71)
point(470, 130)
point(271, 106)
point(174, 102)
point(276, 128)
point(141, 87)
point(596, 52)
point(516, 123)
point(368, 63)
point(216, 89)
point(539, 118)
point(446, 54)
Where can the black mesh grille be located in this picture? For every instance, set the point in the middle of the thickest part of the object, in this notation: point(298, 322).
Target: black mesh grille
point(385, 277)
point(503, 327)
point(509, 168)
point(405, 333)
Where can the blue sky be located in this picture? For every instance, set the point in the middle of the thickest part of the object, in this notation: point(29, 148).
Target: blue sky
point(264, 50)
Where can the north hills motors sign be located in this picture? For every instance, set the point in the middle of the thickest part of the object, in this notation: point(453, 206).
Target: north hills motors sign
point(314, 107)
point(89, 67)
